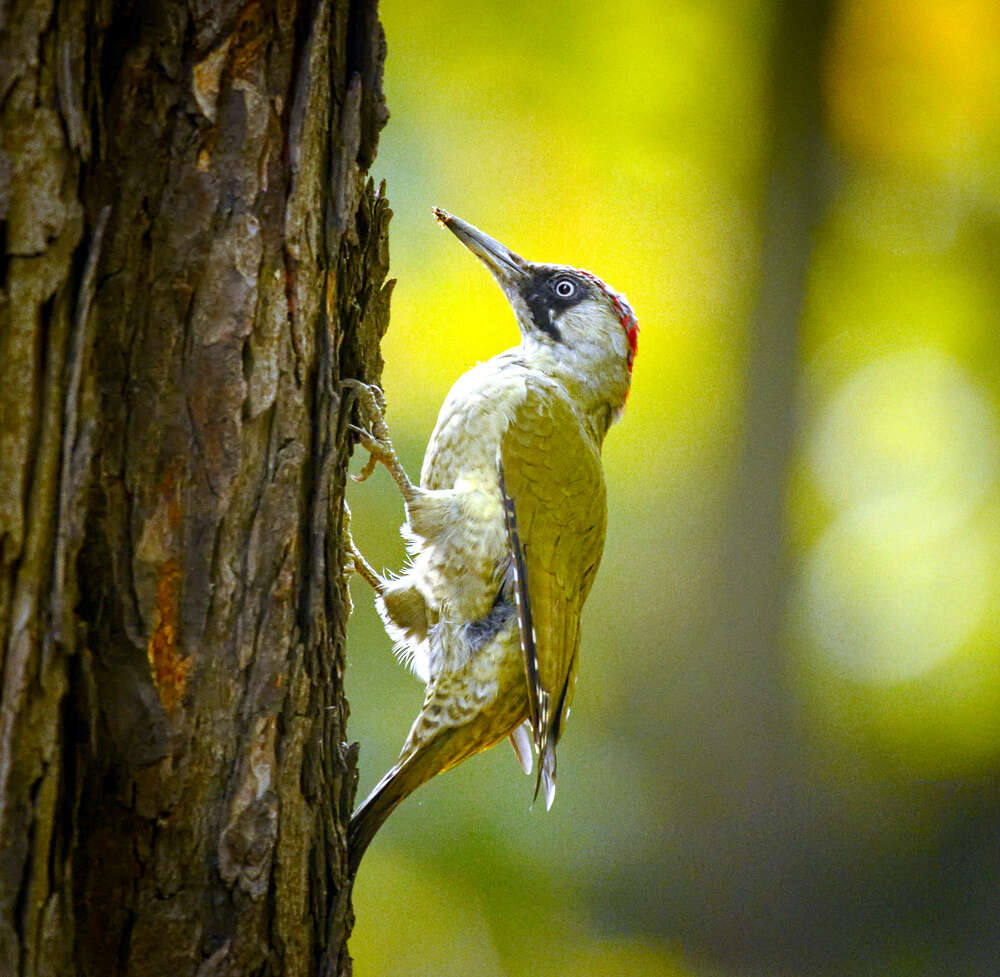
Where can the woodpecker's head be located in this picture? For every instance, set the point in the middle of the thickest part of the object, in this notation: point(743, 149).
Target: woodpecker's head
point(572, 325)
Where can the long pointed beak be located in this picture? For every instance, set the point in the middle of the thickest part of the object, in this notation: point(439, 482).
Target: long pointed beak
point(507, 267)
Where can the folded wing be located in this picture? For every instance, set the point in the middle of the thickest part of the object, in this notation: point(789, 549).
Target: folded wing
point(554, 502)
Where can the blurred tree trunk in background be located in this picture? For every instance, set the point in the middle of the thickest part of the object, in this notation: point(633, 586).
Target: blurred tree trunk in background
point(797, 168)
point(193, 257)
point(772, 806)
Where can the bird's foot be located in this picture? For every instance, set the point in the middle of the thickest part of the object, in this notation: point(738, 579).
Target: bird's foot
point(373, 435)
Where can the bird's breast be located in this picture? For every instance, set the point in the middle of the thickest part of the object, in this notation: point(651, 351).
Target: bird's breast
point(471, 423)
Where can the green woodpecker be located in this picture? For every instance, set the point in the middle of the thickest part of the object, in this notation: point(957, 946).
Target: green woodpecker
point(505, 530)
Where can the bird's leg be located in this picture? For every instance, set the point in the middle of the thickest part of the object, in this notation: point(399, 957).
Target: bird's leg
point(355, 562)
point(373, 435)
point(362, 567)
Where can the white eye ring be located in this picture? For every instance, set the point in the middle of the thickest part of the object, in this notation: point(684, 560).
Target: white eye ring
point(565, 288)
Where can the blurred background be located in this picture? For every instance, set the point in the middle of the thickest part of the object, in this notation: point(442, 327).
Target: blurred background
point(784, 754)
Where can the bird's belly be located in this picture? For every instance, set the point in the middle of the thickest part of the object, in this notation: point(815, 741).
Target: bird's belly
point(460, 567)
point(485, 695)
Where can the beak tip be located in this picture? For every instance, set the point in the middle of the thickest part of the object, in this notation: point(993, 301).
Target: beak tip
point(501, 261)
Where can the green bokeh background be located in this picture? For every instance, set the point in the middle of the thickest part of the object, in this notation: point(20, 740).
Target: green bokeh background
point(767, 771)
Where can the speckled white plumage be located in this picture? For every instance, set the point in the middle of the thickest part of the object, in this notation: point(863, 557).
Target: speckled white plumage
point(489, 554)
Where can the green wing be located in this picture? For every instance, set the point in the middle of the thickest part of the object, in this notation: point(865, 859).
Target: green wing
point(553, 488)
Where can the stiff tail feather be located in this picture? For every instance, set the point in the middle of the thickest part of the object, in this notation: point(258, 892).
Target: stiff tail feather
point(448, 746)
point(547, 773)
point(403, 778)
point(371, 814)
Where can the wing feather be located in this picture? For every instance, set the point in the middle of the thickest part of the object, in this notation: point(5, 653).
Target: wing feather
point(552, 486)
point(522, 599)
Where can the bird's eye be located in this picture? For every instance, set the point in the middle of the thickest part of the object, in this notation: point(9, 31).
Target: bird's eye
point(565, 288)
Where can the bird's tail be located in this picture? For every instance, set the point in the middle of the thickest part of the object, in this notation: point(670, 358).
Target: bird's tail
point(375, 808)
point(547, 772)
point(446, 747)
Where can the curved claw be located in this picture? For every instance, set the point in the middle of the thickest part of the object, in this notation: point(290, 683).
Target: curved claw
point(378, 451)
point(373, 435)
point(369, 397)
point(369, 468)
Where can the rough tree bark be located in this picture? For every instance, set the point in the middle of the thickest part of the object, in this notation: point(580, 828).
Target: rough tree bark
point(192, 258)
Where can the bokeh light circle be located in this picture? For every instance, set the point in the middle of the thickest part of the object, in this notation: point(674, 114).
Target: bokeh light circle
point(910, 424)
point(902, 576)
point(884, 601)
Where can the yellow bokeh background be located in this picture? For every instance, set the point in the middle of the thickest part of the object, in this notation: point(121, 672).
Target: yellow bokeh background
point(831, 806)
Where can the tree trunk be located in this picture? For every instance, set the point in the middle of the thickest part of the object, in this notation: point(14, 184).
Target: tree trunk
point(193, 257)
